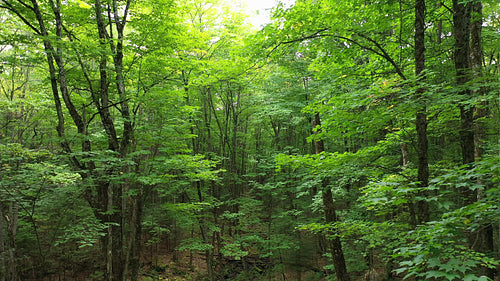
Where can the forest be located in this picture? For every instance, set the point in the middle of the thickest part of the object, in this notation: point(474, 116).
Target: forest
point(349, 140)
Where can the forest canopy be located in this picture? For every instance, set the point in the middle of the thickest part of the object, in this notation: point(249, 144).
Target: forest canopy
point(173, 140)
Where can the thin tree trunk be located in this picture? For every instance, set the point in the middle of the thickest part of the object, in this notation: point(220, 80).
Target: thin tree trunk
point(477, 67)
point(461, 32)
point(421, 118)
point(485, 240)
point(3, 271)
point(334, 242)
point(136, 248)
point(132, 255)
point(50, 56)
point(116, 220)
point(331, 215)
point(12, 232)
point(207, 117)
point(109, 240)
point(116, 268)
point(107, 197)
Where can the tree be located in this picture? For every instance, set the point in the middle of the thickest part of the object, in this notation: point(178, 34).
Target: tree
point(327, 144)
point(300, 28)
point(331, 214)
point(59, 44)
point(421, 120)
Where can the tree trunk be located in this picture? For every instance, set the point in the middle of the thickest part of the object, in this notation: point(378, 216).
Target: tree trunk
point(132, 260)
point(117, 224)
point(421, 118)
point(11, 233)
point(118, 252)
point(3, 271)
point(485, 240)
point(477, 67)
point(331, 215)
point(334, 242)
point(107, 198)
point(461, 32)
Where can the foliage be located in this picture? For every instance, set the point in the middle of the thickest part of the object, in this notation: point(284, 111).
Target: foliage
point(176, 127)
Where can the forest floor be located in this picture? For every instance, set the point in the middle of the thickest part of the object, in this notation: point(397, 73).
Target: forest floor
point(164, 267)
point(162, 262)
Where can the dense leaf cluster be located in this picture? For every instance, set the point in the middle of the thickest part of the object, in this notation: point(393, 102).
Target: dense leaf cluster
point(142, 140)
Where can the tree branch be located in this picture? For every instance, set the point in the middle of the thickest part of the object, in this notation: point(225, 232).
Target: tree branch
point(380, 52)
point(300, 39)
point(25, 20)
point(384, 55)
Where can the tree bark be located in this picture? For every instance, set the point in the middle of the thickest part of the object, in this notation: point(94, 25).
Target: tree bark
point(421, 118)
point(476, 56)
point(330, 214)
point(485, 240)
point(461, 32)
point(50, 55)
point(11, 234)
point(123, 249)
point(3, 271)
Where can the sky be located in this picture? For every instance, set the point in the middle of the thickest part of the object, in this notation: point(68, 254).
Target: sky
point(259, 10)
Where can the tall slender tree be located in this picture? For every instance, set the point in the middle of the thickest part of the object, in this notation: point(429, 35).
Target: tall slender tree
point(421, 119)
point(46, 19)
point(330, 213)
point(484, 242)
point(461, 33)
